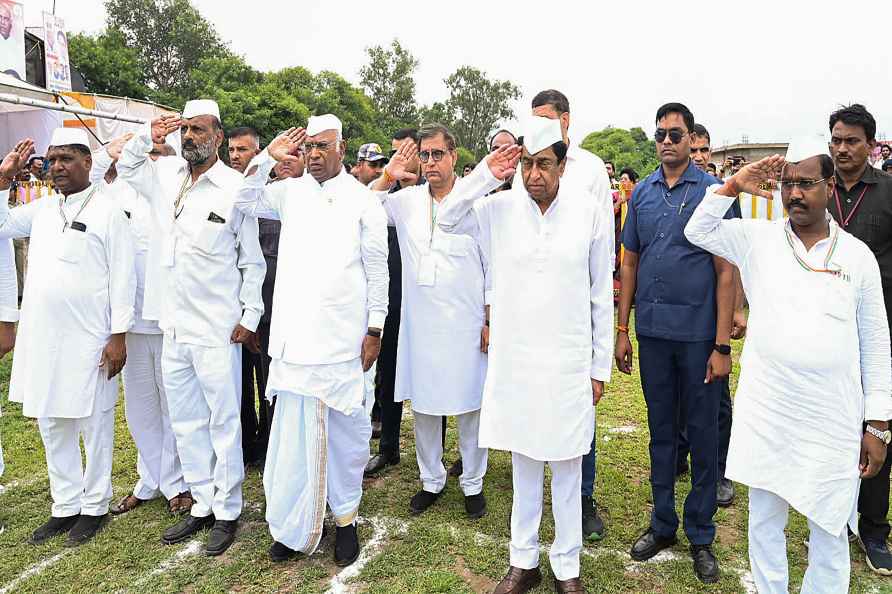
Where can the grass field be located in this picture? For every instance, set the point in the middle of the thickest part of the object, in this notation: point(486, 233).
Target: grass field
point(440, 551)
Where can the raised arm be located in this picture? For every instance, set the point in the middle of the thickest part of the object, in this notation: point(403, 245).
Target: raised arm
point(256, 197)
point(134, 164)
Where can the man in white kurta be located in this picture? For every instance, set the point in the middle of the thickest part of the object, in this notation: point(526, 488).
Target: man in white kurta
point(440, 363)
point(815, 367)
point(329, 306)
point(157, 461)
point(550, 340)
point(76, 308)
point(210, 304)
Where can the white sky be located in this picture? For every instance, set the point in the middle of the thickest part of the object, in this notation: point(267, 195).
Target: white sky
point(768, 70)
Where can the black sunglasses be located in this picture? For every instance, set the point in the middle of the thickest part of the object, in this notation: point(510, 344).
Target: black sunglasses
point(675, 135)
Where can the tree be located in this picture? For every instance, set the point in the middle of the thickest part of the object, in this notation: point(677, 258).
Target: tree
point(171, 38)
point(625, 148)
point(476, 104)
point(389, 80)
point(107, 65)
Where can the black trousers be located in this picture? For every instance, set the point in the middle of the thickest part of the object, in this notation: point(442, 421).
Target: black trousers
point(873, 505)
point(725, 414)
point(256, 428)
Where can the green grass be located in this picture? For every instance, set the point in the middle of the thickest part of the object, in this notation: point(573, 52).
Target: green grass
point(440, 551)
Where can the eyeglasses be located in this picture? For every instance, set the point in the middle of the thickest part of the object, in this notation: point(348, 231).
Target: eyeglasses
point(436, 154)
point(675, 135)
point(802, 184)
point(323, 147)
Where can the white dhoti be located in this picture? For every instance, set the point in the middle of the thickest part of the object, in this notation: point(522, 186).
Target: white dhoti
point(526, 513)
point(148, 419)
point(828, 555)
point(316, 455)
point(203, 387)
point(75, 489)
point(429, 452)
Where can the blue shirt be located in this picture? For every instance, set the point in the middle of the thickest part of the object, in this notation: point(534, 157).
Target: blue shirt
point(675, 295)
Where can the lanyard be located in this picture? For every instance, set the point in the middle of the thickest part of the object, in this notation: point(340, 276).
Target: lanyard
point(845, 221)
point(433, 216)
point(65, 223)
point(181, 195)
point(830, 252)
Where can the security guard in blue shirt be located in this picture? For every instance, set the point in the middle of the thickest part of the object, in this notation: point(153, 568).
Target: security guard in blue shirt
point(684, 299)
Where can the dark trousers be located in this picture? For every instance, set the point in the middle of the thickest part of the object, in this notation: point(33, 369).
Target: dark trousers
point(390, 412)
point(873, 505)
point(589, 468)
point(255, 429)
point(725, 414)
point(672, 375)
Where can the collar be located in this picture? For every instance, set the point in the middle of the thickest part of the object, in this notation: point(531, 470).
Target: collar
point(78, 196)
point(691, 174)
point(870, 176)
point(832, 230)
point(214, 174)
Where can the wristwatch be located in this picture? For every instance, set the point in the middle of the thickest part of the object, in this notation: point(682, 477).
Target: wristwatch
point(722, 349)
point(883, 436)
point(374, 332)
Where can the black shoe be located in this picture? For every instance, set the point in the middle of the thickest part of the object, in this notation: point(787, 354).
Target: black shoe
point(724, 492)
point(475, 506)
point(221, 536)
point(85, 528)
point(379, 462)
point(682, 468)
point(706, 567)
point(279, 552)
point(592, 525)
point(456, 469)
point(649, 544)
point(185, 528)
point(423, 500)
point(376, 429)
point(53, 527)
point(346, 545)
point(877, 555)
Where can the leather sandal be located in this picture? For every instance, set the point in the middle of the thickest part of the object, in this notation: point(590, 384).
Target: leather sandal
point(181, 503)
point(129, 503)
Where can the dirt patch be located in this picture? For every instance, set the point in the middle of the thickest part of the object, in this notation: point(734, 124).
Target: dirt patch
point(478, 583)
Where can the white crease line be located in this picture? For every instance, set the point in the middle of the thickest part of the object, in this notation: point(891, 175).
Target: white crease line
point(32, 571)
point(338, 584)
point(193, 547)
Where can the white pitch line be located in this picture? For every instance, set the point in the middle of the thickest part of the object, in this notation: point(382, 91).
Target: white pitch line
point(193, 547)
point(32, 571)
point(625, 430)
point(370, 550)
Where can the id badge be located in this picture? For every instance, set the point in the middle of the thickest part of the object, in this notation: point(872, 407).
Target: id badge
point(427, 270)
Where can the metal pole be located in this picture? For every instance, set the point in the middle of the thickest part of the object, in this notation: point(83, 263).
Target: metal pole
point(15, 99)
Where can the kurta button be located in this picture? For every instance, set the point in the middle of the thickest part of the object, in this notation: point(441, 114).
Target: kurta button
point(662, 235)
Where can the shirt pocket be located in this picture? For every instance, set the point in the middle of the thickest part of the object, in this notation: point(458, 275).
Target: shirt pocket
point(461, 245)
point(208, 236)
point(646, 224)
point(74, 243)
point(839, 303)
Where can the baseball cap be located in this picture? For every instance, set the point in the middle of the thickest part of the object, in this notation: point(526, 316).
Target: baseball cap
point(370, 151)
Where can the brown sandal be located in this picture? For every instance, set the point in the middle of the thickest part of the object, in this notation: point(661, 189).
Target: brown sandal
point(127, 504)
point(181, 503)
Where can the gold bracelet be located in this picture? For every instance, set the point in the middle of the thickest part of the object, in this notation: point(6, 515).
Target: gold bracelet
point(623, 329)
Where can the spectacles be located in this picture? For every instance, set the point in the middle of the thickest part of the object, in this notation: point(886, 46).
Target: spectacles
point(802, 184)
point(675, 135)
point(436, 154)
point(323, 147)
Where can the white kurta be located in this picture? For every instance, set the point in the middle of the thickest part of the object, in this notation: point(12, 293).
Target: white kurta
point(439, 366)
point(551, 319)
point(332, 283)
point(80, 290)
point(815, 363)
point(212, 265)
point(9, 310)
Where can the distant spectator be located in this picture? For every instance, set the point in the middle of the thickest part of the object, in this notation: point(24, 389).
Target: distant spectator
point(370, 162)
point(468, 169)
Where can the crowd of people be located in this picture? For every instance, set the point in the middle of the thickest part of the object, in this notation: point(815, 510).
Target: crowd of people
point(488, 297)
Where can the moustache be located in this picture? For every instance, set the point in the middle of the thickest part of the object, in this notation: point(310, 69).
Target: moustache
point(798, 203)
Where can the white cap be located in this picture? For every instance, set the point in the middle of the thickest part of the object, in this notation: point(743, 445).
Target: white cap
point(66, 136)
point(540, 133)
point(807, 146)
point(200, 107)
point(319, 124)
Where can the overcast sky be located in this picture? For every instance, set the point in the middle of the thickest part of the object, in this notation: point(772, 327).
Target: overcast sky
point(768, 70)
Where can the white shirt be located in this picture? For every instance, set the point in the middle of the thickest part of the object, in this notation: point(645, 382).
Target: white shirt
point(332, 278)
point(552, 315)
point(439, 366)
point(212, 264)
point(815, 363)
point(80, 290)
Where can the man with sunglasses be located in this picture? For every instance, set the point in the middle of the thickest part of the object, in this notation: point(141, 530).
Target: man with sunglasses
point(815, 365)
point(329, 306)
point(440, 363)
point(862, 205)
point(683, 303)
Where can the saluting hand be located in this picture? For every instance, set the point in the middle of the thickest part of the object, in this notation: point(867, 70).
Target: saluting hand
point(502, 162)
point(114, 355)
point(163, 126)
point(286, 144)
point(757, 178)
point(14, 162)
point(398, 167)
point(115, 147)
